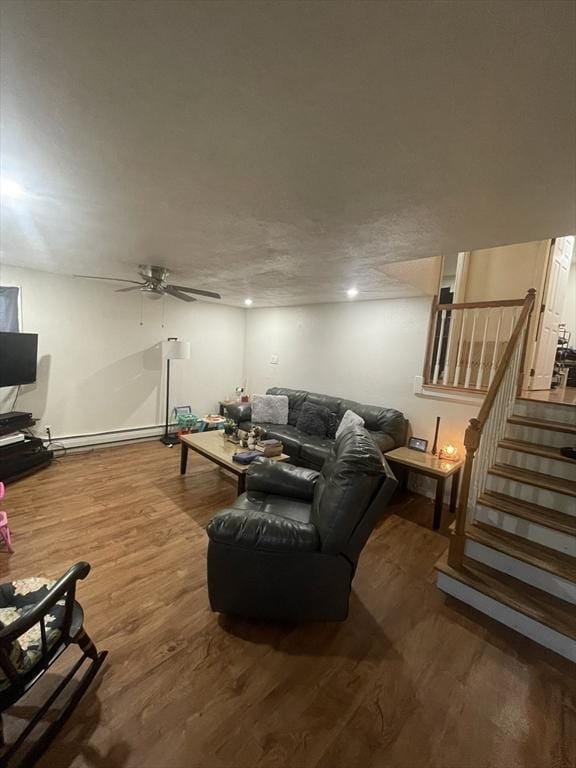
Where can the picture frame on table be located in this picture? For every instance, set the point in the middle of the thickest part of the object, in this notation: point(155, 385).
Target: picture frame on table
point(418, 444)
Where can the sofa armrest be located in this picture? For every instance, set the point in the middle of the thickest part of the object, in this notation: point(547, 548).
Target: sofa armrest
point(239, 412)
point(252, 529)
point(383, 440)
point(282, 479)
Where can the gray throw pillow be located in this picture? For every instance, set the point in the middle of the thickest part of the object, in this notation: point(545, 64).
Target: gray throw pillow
point(348, 420)
point(313, 419)
point(272, 409)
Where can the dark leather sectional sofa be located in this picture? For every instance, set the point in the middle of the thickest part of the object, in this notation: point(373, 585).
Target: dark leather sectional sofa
point(387, 426)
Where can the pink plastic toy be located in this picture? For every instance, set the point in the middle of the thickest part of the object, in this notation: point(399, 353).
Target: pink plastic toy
point(4, 529)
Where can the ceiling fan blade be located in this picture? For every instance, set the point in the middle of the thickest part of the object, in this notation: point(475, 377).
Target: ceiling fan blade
point(171, 291)
point(199, 292)
point(130, 288)
point(115, 279)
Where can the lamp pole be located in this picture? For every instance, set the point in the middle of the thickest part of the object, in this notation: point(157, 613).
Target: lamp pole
point(166, 439)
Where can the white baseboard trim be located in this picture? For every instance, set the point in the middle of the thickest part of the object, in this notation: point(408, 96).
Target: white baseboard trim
point(102, 439)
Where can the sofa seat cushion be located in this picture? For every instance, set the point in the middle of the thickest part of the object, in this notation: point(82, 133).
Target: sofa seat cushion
point(16, 599)
point(315, 450)
point(266, 531)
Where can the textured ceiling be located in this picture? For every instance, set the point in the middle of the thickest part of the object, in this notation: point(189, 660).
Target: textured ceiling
point(283, 150)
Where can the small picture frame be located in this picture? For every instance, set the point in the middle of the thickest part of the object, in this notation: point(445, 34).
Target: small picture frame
point(418, 444)
point(182, 410)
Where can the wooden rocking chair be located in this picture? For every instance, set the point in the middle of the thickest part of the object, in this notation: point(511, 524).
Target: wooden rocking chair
point(39, 619)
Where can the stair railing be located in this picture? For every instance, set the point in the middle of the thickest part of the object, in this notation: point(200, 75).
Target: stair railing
point(484, 432)
point(466, 342)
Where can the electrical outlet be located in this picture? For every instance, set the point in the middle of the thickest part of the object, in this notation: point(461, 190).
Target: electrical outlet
point(274, 360)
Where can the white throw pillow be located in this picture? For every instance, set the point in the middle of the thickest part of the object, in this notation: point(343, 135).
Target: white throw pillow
point(270, 408)
point(350, 419)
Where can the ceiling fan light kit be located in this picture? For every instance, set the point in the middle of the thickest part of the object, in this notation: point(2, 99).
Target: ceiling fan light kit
point(155, 284)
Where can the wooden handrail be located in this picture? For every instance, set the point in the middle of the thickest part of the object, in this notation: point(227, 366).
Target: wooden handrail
point(473, 432)
point(482, 304)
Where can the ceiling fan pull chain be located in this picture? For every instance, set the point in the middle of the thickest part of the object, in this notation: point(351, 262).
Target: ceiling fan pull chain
point(163, 308)
point(141, 309)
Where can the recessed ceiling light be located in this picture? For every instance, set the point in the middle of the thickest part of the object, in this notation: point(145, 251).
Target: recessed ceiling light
point(10, 188)
point(352, 292)
point(248, 302)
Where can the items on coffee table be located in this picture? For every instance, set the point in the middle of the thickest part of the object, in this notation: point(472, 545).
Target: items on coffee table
point(212, 446)
point(269, 448)
point(246, 457)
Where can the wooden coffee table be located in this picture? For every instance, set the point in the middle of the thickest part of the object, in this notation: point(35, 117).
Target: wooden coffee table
point(214, 447)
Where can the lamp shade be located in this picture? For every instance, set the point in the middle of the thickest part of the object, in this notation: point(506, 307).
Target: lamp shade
point(176, 350)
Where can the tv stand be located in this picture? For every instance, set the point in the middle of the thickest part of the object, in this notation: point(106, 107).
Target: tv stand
point(24, 457)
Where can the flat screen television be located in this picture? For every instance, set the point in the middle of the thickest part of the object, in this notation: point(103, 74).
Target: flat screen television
point(18, 355)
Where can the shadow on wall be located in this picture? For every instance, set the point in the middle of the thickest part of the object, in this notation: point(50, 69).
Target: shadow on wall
point(117, 391)
point(37, 394)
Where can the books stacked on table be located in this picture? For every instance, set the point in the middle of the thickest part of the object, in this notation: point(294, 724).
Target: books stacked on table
point(269, 448)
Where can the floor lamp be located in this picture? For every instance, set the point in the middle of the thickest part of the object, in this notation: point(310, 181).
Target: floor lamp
point(172, 350)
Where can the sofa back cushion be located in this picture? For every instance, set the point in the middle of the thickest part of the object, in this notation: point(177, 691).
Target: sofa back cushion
point(349, 480)
point(332, 403)
point(378, 419)
point(296, 399)
point(270, 408)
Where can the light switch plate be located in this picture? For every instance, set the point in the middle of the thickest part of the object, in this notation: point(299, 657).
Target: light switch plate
point(274, 360)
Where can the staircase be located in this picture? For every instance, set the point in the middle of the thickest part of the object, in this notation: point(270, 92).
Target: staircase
point(513, 553)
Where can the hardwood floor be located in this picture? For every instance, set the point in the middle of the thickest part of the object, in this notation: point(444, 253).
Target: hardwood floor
point(408, 681)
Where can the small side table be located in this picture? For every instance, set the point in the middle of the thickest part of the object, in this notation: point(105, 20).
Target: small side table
point(430, 466)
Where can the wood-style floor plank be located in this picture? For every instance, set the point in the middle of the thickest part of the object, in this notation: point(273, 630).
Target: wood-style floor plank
point(409, 681)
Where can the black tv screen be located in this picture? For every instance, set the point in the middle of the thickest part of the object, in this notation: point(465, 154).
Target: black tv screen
point(18, 354)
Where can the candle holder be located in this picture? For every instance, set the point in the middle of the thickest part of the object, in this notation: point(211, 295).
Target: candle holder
point(449, 453)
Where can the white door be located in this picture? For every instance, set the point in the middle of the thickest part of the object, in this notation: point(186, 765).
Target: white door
point(550, 317)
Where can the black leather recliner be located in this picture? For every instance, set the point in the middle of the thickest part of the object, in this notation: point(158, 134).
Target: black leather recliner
point(289, 546)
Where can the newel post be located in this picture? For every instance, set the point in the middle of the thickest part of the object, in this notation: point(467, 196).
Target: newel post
point(458, 539)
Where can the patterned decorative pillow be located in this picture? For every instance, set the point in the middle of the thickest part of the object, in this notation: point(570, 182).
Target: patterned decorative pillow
point(349, 419)
point(313, 419)
point(270, 408)
point(16, 599)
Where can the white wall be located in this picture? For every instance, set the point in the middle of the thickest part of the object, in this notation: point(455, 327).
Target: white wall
point(101, 370)
point(569, 313)
point(365, 350)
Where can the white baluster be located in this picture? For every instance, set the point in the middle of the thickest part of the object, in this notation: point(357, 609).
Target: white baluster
point(470, 351)
point(439, 347)
point(459, 352)
point(495, 352)
point(483, 352)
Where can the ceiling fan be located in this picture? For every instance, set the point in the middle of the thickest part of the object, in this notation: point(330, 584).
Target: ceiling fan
point(155, 284)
